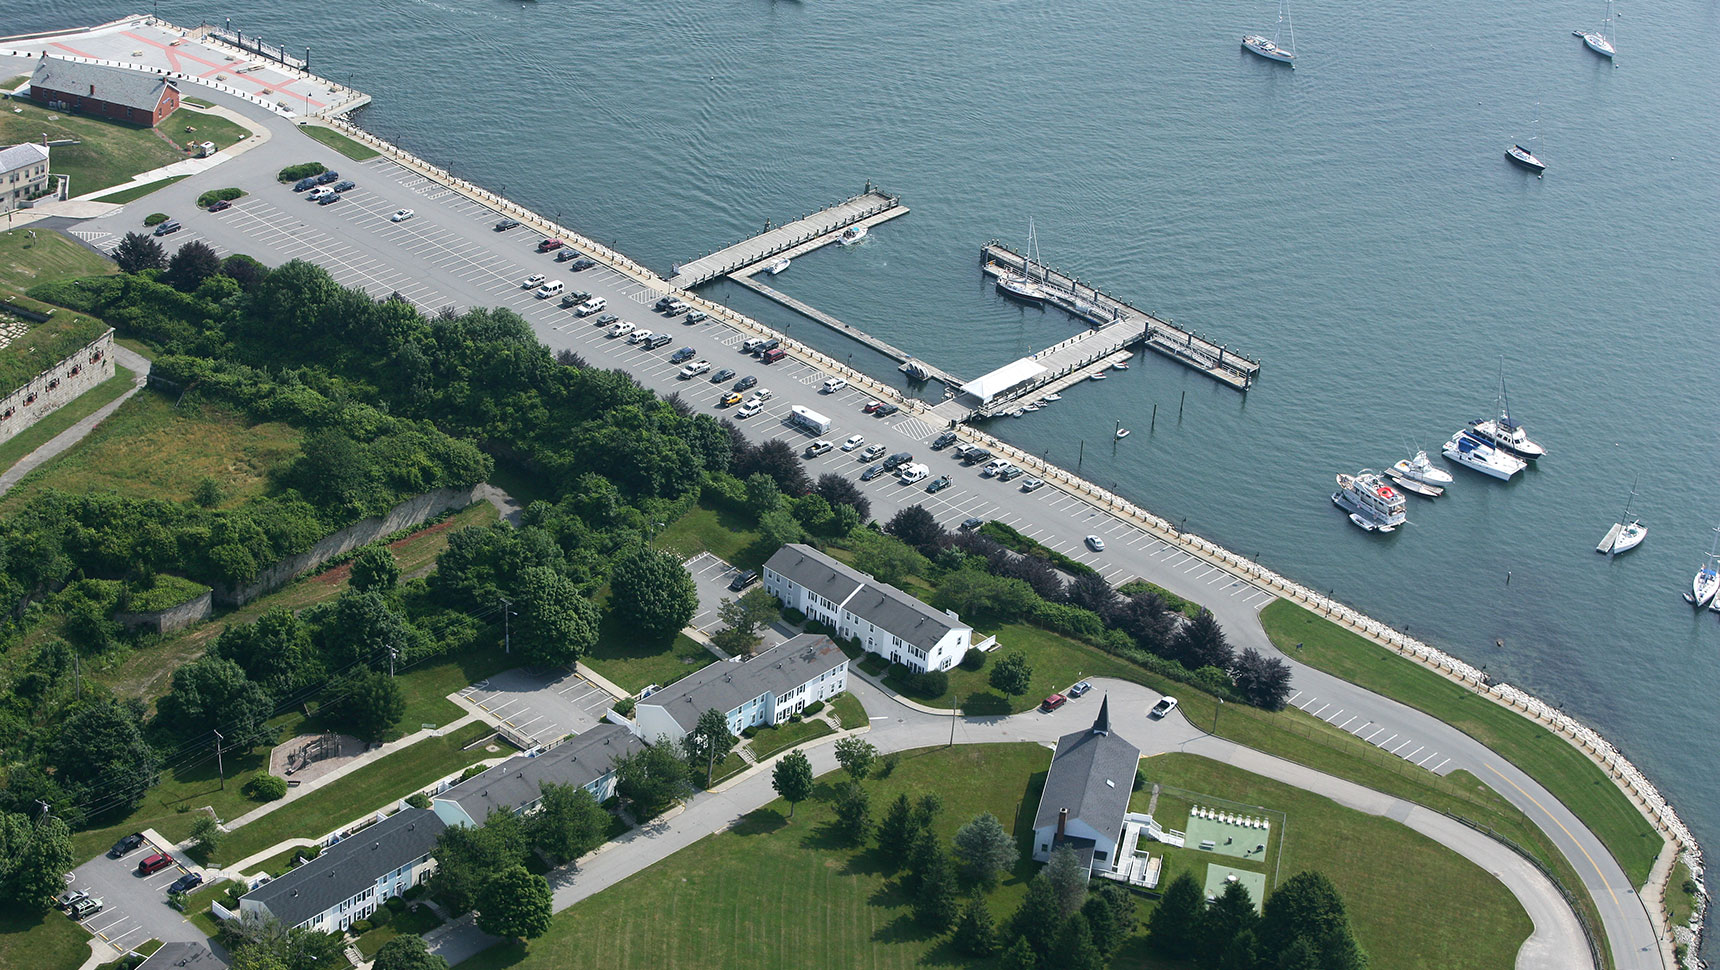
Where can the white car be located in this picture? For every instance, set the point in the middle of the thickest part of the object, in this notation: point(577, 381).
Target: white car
point(594, 305)
point(854, 441)
point(1163, 707)
point(762, 394)
point(319, 192)
point(694, 369)
point(872, 453)
point(750, 408)
point(1095, 543)
point(532, 282)
point(401, 215)
point(997, 465)
point(621, 329)
point(1032, 484)
point(640, 336)
point(834, 384)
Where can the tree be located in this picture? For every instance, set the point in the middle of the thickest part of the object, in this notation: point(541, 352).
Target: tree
point(100, 755)
point(276, 651)
point(709, 741)
point(853, 812)
point(568, 823)
point(34, 858)
point(1307, 906)
point(206, 833)
point(975, 592)
point(244, 270)
point(984, 849)
point(407, 953)
point(1243, 953)
point(763, 494)
point(652, 592)
point(213, 693)
point(137, 252)
point(651, 780)
point(924, 850)
point(1089, 591)
point(1262, 681)
point(841, 490)
point(792, 778)
point(195, 262)
point(374, 568)
point(1038, 917)
point(756, 609)
point(365, 702)
point(779, 528)
point(359, 627)
point(918, 528)
point(554, 625)
point(975, 934)
point(886, 558)
point(1174, 924)
point(935, 904)
point(466, 858)
point(1013, 674)
point(1222, 921)
point(1110, 912)
point(1145, 618)
point(1067, 878)
point(1019, 956)
point(775, 458)
point(1201, 643)
point(896, 829)
point(856, 756)
point(1074, 947)
point(515, 904)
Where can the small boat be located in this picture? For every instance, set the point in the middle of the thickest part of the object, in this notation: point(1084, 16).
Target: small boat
point(1471, 452)
point(1097, 377)
point(1420, 469)
point(1120, 365)
point(1122, 433)
point(1018, 412)
point(1032, 407)
point(1707, 579)
point(1600, 41)
point(778, 266)
point(1625, 534)
point(1373, 505)
point(1270, 48)
point(852, 235)
point(1526, 158)
point(1052, 397)
point(1411, 485)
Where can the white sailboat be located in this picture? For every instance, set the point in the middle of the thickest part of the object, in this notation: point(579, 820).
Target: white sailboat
point(1601, 41)
point(1501, 431)
point(1272, 48)
point(1526, 157)
point(1707, 579)
point(1625, 534)
point(1021, 285)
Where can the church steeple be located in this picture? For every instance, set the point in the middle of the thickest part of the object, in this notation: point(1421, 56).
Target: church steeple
point(1102, 723)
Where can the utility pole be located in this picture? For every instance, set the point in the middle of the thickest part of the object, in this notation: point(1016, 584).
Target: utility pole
point(392, 653)
point(44, 812)
point(955, 712)
point(219, 767)
point(507, 639)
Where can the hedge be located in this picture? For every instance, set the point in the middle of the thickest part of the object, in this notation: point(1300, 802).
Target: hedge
point(292, 173)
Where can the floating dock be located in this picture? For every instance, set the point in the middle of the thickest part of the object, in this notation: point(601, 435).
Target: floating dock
point(902, 357)
point(1081, 300)
point(802, 235)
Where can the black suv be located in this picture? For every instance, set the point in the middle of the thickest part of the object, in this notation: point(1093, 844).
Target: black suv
point(944, 441)
point(766, 347)
point(746, 383)
point(897, 460)
point(722, 375)
point(743, 580)
point(685, 353)
point(126, 844)
point(329, 176)
point(507, 224)
point(185, 883)
point(976, 456)
point(663, 304)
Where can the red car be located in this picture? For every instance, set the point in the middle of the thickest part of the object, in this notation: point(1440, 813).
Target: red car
point(550, 245)
point(871, 406)
point(220, 204)
point(1053, 702)
point(155, 863)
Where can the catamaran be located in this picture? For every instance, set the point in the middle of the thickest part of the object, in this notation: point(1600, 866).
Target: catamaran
point(1502, 432)
point(1271, 49)
point(1471, 452)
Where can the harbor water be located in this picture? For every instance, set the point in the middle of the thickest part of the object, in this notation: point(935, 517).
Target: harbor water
point(1352, 223)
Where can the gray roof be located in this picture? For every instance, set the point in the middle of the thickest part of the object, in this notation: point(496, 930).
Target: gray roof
point(349, 866)
point(518, 781)
point(183, 956)
point(137, 89)
point(880, 604)
point(726, 686)
point(22, 156)
point(1091, 775)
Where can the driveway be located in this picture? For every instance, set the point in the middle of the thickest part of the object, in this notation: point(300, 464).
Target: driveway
point(135, 907)
point(540, 706)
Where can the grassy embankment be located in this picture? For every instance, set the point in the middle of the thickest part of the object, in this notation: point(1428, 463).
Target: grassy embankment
point(346, 146)
point(109, 153)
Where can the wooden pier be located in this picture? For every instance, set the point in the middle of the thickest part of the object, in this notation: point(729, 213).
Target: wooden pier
point(1067, 364)
point(897, 354)
point(1081, 300)
point(802, 235)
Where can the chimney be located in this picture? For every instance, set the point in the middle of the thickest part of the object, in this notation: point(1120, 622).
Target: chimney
point(1062, 823)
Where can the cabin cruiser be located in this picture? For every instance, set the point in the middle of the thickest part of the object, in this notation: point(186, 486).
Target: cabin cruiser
point(1373, 505)
point(778, 266)
point(1471, 452)
point(1420, 469)
point(852, 235)
point(1506, 435)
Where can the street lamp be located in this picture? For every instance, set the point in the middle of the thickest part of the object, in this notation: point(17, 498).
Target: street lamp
point(1215, 713)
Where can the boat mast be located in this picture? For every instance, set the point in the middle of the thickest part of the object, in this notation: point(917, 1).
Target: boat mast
point(1283, 17)
point(1504, 401)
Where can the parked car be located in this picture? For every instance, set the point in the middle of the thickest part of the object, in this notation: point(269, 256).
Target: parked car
point(1095, 543)
point(596, 304)
point(329, 176)
point(621, 329)
point(1053, 702)
point(657, 341)
point(401, 215)
point(762, 394)
point(583, 263)
point(974, 456)
point(854, 441)
point(70, 898)
point(772, 355)
point(722, 375)
point(817, 448)
point(768, 346)
point(938, 484)
point(994, 466)
point(307, 182)
point(899, 458)
point(220, 205)
point(606, 319)
point(972, 523)
point(886, 409)
point(697, 316)
point(871, 473)
point(506, 224)
point(730, 399)
point(751, 345)
point(1079, 689)
point(684, 354)
point(834, 384)
point(750, 408)
point(872, 453)
point(125, 845)
point(663, 304)
point(640, 336)
point(1032, 484)
point(1010, 474)
point(743, 580)
point(316, 194)
point(694, 369)
point(185, 883)
point(154, 863)
point(550, 245)
point(944, 441)
point(746, 382)
point(677, 308)
point(1163, 707)
point(871, 406)
point(345, 186)
point(532, 282)
point(168, 228)
point(85, 908)
point(566, 254)
point(329, 199)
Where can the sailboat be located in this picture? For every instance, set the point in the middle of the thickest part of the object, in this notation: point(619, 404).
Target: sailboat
point(1707, 580)
point(1600, 41)
point(1502, 432)
point(1021, 285)
point(1625, 534)
point(1272, 49)
point(1526, 156)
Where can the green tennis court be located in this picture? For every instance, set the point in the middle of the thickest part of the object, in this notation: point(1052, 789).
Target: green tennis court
point(1232, 837)
point(1217, 875)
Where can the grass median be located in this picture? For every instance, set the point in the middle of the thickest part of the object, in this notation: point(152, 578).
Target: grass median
point(346, 146)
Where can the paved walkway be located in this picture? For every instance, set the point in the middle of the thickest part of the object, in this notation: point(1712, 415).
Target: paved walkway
point(132, 361)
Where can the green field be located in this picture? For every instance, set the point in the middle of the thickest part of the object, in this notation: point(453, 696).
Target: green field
point(43, 344)
point(84, 405)
point(633, 664)
point(727, 535)
point(771, 741)
point(44, 257)
point(849, 711)
point(1559, 766)
point(171, 806)
point(48, 941)
point(346, 146)
point(372, 787)
point(190, 127)
point(132, 193)
point(107, 154)
point(1057, 663)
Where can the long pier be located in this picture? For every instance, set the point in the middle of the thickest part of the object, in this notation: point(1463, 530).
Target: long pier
point(1217, 361)
point(821, 227)
point(854, 333)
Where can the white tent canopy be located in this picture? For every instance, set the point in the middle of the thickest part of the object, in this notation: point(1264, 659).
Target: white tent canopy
point(1004, 379)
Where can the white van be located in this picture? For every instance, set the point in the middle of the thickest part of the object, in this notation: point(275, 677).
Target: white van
point(751, 344)
point(834, 384)
point(552, 288)
point(913, 472)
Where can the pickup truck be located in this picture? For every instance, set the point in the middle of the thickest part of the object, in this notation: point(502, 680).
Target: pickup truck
point(817, 448)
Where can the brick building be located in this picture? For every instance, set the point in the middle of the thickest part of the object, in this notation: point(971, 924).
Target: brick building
point(114, 93)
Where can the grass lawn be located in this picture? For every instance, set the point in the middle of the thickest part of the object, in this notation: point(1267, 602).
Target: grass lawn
point(346, 146)
point(1679, 904)
point(732, 764)
point(634, 664)
point(729, 536)
point(774, 740)
point(148, 449)
point(171, 806)
point(1413, 903)
point(1565, 771)
point(426, 688)
point(84, 405)
point(1057, 662)
point(369, 788)
point(197, 904)
point(849, 711)
point(46, 941)
point(134, 192)
point(107, 154)
point(189, 127)
point(1186, 607)
point(409, 922)
point(49, 256)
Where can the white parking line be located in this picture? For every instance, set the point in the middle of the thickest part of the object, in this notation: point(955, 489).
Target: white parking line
point(1387, 741)
point(1438, 766)
point(1346, 724)
point(1322, 707)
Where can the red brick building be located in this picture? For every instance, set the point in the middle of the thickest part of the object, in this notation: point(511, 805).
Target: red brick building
point(114, 93)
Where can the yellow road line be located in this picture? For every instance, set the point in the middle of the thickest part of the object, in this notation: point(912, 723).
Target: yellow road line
point(1562, 828)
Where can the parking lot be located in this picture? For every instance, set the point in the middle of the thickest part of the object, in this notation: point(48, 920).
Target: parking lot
point(134, 907)
point(540, 706)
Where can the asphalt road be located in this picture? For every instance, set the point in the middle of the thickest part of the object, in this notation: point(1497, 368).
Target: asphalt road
point(447, 255)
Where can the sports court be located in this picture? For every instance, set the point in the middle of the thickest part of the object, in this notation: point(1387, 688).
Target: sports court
point(1218, 875)
point(1233, 834)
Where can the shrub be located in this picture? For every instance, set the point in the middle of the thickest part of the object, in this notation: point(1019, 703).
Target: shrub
point(932, 683)
point(396, 904)
point(812, 708)
point(265, 788)
point(360, 927)
point(472, 772)
point(155, 219)
point(750, 732)
point(626, 706)
point(292, 173)
point(793, 615)
point(973, 660)
point(814, 626)
point(213, 196)
point(417, 800)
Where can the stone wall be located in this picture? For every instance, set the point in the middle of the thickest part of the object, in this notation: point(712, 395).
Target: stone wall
point(194, 610)
point(57, 386)
point(408, 513)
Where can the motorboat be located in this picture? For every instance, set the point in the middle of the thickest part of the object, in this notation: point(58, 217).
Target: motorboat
point(1626, 534)
point(1122, 433)
point(1503, 432)
point(1419, 488)
point(852, 235)
point(1120, 365)
point(1473, 453)
point(1526, 158)
point(1018, 412)
point(1097, 377)
point(1052, 397)
point(778, 266)
point(1420, 469)
point(1707, 579)
point(1374, 506)
point(1272, 47)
